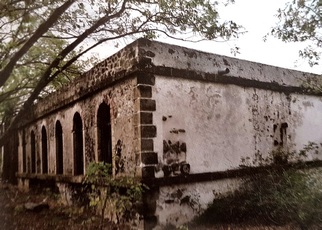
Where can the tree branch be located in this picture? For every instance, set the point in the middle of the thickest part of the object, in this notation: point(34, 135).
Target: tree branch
point(46, 77)
point(43, 28)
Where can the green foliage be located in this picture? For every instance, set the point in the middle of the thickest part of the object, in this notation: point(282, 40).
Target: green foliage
point(300, 21)
point(98, 173)
point(117, 198)
point(278, 195)
point(19, 21)
point(172, 227)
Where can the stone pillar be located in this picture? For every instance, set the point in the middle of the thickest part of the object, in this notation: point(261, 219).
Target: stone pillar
point(146, 132)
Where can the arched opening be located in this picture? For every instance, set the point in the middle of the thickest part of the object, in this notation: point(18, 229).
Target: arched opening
point(24, 155)
point(44, 150)
point(78, 145)
point(33, 151)
point(104, 136)
point(59, 148)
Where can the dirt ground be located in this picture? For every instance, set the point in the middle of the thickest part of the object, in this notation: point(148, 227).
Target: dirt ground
point(14, 216)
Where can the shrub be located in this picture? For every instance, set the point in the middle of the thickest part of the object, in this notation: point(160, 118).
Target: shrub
point(279, 194)
point(118, 198)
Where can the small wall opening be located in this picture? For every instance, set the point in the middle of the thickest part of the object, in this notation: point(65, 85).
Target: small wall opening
point(59, 148)
point(78, 145)
point(104, 136)
point(280, 134)
point(283, 134)
point(33, 151)
point(44, 150)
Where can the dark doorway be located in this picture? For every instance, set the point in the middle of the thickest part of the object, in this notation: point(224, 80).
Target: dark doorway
point(104, 137)
point(78, 145)
point(59, 148)
point(33, 151)
point(24, 157)
point(44, 150)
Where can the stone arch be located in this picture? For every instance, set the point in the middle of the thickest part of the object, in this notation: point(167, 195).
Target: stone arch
point(78, 144)
point(59, 148)
point(104, 134)
point(24, 152)
point(33, 151)
point(44, 150)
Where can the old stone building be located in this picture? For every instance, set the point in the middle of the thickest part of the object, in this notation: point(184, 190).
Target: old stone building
point(180, 119)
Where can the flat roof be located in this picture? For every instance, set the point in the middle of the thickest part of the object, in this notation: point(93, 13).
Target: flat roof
point(173, 61)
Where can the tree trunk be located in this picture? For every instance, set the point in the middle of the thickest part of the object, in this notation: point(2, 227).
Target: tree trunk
point(10, 159)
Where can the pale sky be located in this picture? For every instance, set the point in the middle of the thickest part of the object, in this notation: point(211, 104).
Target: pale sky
point(257, 16)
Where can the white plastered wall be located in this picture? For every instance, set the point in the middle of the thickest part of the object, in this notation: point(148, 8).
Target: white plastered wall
point(223, 123)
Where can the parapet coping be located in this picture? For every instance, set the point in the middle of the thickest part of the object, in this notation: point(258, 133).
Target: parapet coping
point(169, 60)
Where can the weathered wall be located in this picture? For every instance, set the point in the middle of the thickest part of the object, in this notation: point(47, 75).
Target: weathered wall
point(121, 100)
point(220, 124)
point(181, 59)
point(101, 76)
point(309, 127)
point(197, 99)
point(213, 111)
point(179, 204)
point(181, 119)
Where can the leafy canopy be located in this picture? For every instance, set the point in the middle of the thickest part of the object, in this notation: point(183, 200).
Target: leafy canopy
point(301, 21)
point(41, 41)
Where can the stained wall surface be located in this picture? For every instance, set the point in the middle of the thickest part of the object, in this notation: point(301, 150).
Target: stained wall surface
point(220, 124)
point(120, 99)
point(216, 113)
